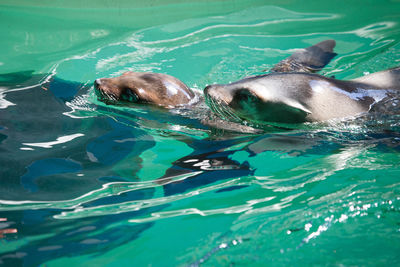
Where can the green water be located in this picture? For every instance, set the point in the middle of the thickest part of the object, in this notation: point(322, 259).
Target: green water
point(89, 184)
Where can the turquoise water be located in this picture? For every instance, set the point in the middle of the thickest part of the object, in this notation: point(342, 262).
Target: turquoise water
point(89, 184)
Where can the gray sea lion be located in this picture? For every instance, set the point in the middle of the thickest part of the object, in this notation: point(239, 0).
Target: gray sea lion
point(300, 97)
point(145, 87)
point(292, 93)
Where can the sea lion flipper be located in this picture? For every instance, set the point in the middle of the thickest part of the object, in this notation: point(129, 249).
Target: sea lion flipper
point(310, 59)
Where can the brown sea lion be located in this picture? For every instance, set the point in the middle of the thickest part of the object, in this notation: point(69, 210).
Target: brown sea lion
point(145, 87)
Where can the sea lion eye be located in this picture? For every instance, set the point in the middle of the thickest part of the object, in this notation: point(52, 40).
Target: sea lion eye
point(246, 95)
point(130, 96)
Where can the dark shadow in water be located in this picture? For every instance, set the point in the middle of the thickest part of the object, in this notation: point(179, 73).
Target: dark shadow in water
point(61, 170)
point(211, 160)
point(56, 171)
point(20, 79)
point(65, 238)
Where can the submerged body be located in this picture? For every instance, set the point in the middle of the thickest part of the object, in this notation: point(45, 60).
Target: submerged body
point(300, 97)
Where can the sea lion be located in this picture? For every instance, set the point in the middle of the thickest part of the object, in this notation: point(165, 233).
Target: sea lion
point(145, 87)
point(300, 97)
point(293, 93)
point(162, 90)
point(169, 92)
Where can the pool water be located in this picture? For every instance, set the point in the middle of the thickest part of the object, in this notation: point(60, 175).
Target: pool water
point(84, 183)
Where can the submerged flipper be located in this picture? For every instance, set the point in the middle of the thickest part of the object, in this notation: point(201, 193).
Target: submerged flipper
point(310, 59)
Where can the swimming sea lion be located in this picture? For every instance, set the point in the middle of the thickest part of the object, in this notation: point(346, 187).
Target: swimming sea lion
point(300, 97)
point(145, 87)
point(168, 91)
point(291, 93)
point(162, 90)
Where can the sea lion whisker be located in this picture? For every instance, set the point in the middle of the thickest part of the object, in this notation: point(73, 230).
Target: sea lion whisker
point(222, 109)
point(231, 115)
point(214, 107)
point(109, 96)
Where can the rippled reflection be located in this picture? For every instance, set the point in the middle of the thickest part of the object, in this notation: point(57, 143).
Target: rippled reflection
point(85, 183)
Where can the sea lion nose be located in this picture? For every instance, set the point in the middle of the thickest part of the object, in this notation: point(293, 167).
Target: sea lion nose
point(97, 82)
point(213, 90)
point(207, 89)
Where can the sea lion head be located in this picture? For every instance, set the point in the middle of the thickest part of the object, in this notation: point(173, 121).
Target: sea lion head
point(144, 87)
point(257, 101)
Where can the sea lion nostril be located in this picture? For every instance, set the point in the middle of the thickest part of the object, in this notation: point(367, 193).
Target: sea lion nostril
point(207, 88)
point(97, 82)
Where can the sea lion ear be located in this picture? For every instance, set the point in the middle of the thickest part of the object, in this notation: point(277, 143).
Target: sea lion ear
point(127, 73)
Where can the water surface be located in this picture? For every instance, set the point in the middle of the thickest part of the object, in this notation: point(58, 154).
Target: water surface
point(89, 184)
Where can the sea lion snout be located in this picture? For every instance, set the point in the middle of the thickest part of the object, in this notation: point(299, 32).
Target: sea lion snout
point(219, 99)
point(106, 89)
point(218, 93)
point(97, 82)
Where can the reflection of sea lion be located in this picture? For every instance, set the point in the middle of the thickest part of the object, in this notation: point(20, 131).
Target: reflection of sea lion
point(137, 87)
point(300, 97)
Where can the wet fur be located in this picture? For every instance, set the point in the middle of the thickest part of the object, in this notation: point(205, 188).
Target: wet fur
point(155, 88)
point(291, 93)
point(300, 97)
